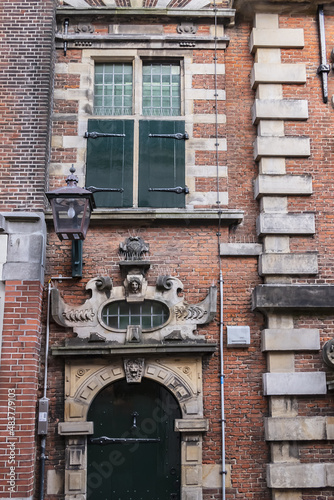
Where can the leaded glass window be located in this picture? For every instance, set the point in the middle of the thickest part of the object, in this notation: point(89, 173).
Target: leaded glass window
point(149, 314)
point(113, 89)
point(161, 89)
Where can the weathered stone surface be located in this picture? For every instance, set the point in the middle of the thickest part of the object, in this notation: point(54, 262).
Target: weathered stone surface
point(288, 263)
point(273, 298)
point(276, 244)
point(285, 224)
point(279, 109)
point(192, 425)
point(281, 147)
point(26, 246)
point(302, 383)
point(298, 475)
point(280, 362)
point(278, 73)
point(281, 339)
point(282, 185)
point(281, 38)
point(244, 249)
point(297, 428)
point(75, 428)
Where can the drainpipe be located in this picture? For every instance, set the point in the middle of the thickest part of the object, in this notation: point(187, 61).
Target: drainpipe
point(324, 68)
point(43, 404)
point(223, 472)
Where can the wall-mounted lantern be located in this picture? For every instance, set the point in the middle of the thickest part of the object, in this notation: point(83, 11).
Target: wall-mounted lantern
point(71, 209)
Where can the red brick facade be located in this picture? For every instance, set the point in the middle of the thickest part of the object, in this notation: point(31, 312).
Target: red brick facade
point(186, 248)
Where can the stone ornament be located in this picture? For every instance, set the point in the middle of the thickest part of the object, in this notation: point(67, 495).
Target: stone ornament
point(135, 286)
point(328, 353)
point(84, 28)
point(179, 325)
point(133, 248)
point(134, 369)
point(186, 29)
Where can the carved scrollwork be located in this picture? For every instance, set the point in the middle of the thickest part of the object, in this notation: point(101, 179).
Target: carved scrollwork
point(189, 312)
point(164, 283)
point(79, 315)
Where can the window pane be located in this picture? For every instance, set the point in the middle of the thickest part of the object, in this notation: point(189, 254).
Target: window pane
point(161, 81)
point(149, 314)
point(113, 80)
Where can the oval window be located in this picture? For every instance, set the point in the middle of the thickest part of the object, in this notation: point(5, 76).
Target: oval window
point(149, 314)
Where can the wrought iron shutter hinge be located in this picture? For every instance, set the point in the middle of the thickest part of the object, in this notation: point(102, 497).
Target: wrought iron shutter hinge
point(95, 135)
point(178, 136)
point(177, 190)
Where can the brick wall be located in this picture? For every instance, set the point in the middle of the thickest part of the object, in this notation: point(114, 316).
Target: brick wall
point(20, 364)
point(25, 80)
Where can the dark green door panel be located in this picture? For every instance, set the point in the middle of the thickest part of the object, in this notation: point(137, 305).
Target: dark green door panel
point(110, 161)
point(161, 163)
point(135, 470)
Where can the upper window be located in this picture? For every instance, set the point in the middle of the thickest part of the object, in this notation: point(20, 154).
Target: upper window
point(113, 89)
point(161, 89)
point(136, 143)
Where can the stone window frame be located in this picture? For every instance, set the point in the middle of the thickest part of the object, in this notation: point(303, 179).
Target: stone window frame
point(137, 57)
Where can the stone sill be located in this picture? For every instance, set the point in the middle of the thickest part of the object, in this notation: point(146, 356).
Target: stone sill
point(184, 348)
point(227, 217)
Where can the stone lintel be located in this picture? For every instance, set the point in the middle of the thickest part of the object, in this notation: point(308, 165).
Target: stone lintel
point(283, 185)
point(293, 384)
point(75, 428)
point(281, 147)
point(288, 263)
point(289, 475)
point(184, 348)
point(277, 73)
point(276, 38)
point(279, 109)
point(285, 224)
point(297, 428)
point(285, 339)
point(240, 249)
point(192, 425)
point(275, 298)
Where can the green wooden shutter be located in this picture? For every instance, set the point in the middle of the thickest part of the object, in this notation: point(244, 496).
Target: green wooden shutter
point(161, 163)
point(110, 161)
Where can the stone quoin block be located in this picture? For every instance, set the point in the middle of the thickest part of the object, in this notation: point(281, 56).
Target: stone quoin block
point(285, 224)
point(279, 109)
point(293, 297)
point(282, 185)
point(300, 475)
point(286, 339)
point(295, 428)
point(277, 73)
point(290, 384)
point(281, 147)
point(276, 38)
point(288, 263)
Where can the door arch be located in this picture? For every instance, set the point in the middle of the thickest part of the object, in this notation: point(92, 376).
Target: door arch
point(135, 452)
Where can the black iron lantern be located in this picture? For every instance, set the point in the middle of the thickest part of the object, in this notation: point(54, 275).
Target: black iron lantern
point(71, 208)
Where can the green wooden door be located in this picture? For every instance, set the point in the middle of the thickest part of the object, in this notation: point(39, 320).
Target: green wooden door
point(161, 163)
point(140, 455)
point(110, 161)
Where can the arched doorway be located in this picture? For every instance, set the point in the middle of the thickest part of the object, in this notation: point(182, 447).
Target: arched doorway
point(134, 453)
